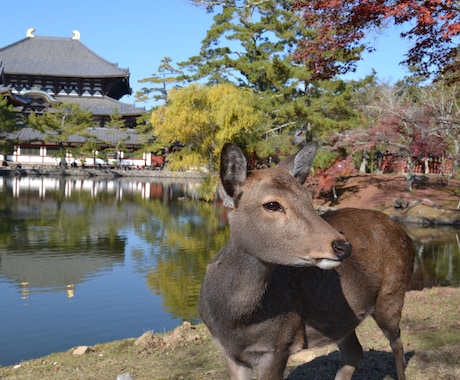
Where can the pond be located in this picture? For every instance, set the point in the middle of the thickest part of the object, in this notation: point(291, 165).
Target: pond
point(87, 261)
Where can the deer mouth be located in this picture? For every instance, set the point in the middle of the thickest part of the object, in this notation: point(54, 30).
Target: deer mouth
point(342, 250)
point(322, 262)
point(327, 263)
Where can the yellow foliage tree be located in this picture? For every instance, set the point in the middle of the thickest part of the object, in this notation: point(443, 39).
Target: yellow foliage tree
point(202, 119)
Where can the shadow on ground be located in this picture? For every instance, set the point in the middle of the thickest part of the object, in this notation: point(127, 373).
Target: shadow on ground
point(375, 365)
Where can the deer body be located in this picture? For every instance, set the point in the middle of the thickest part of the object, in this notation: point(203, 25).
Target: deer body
point(286, 281)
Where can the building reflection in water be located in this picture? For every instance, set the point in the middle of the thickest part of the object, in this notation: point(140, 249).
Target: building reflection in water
point(67, 186)
point(42, 270)
point(57, 241)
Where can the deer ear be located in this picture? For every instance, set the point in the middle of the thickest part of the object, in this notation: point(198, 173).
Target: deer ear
point(233, 173)
point(299, 164)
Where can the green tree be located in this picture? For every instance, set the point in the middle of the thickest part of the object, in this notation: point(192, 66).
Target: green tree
point(204, 118)
point(115, 123)
point(88, 149)
point(336, 105)
point(8, 123)
point(116, 120)
point(252, 46)
point(252, 43)
point(166, 77)
point(67, 120)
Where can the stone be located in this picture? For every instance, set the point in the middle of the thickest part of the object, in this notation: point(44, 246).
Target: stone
point(125, 376)
point(80, 350)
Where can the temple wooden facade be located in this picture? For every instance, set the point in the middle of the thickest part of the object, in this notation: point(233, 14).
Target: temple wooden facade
point(36, 73)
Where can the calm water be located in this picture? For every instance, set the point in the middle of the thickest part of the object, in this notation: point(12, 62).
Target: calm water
point(90, 261)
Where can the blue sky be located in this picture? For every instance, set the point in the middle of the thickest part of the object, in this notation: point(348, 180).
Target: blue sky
point(137, 34)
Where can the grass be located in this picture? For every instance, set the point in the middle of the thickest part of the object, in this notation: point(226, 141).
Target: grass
point(430, 330)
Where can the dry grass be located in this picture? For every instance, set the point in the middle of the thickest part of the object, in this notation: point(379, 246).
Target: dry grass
point(430, 329)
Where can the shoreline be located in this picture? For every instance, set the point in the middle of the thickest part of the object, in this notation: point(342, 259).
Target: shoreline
point(416, 221)
point(429, 329)
point(94, 172)
point(432, 215)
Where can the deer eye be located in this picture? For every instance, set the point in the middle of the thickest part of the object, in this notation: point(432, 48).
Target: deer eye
point(273, 206)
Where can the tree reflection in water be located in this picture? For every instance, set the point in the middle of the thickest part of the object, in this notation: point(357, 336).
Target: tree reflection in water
point(437, 262)
point(130, 254)
point(183, 243)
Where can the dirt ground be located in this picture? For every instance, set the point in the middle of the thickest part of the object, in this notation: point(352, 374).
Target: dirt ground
point(433, 199)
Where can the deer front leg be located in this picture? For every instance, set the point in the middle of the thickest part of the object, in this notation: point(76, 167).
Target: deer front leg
point(350, 355)
point(237, 370)
point(272, 365)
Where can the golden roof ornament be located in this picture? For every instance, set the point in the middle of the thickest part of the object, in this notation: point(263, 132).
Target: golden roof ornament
point(76, 35)
point(30, 32)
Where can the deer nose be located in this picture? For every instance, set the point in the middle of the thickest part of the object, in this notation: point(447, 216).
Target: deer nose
point(342, 249)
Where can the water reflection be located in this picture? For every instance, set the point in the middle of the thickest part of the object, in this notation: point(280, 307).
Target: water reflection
point(50, 186)
point(127, 256)
point(113, 258)
point(57, 232)
point(437, 262)
point(184, 251)
point(40, 267)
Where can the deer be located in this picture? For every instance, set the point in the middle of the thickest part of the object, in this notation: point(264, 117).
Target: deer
point(289, 279)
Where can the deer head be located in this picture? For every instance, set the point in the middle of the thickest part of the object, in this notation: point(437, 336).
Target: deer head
point(272, 216)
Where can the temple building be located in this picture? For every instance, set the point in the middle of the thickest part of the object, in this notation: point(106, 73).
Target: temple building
point(36, 73)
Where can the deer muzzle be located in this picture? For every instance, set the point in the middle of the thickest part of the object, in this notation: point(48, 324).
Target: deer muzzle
point(342, 249)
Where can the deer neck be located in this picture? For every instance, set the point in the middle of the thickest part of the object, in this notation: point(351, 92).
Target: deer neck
point(246, 276)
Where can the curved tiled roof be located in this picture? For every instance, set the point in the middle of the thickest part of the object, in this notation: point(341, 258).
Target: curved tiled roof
point(115, 136)
point(102, 105)
point(56, 56)
point(107, 135)
point(27, 134)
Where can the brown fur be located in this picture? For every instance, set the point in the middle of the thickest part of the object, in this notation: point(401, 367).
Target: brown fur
point(265, 295)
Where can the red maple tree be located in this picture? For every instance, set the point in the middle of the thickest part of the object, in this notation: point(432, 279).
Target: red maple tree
point(339, 27)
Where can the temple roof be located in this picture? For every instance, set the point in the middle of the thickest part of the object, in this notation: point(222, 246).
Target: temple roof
point(60, 57)
point(101, 105)
point(56, 56)
point(27, 134)
point(108, 135)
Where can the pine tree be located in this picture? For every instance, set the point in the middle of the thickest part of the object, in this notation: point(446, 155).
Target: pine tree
point(166, 77)
point(8, 123)
point(67, 120)
point(251, 44)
